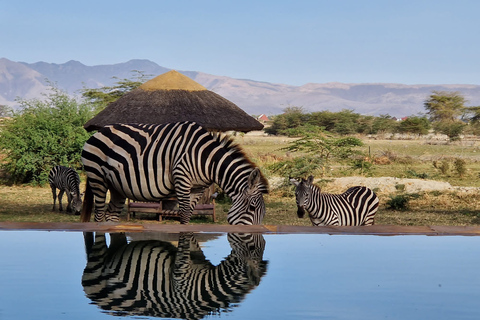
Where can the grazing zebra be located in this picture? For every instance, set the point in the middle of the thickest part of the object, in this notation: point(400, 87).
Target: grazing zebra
point(156, 279)
point(66, 180)
point(355, 207)
point(150, 162)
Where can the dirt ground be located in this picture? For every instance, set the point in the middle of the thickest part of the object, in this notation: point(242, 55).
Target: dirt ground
point(388, 185)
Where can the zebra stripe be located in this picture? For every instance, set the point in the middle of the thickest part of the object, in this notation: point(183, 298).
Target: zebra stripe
point(150, 162)
point(154, 278)
point(66, 180)
point(355, 207)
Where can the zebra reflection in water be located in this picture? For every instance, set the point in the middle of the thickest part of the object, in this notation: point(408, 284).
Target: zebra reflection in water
point(155, 278)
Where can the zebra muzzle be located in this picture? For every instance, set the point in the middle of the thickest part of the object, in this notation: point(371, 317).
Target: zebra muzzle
point(300, 212)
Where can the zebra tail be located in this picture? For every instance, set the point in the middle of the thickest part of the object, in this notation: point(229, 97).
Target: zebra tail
point(87, 204)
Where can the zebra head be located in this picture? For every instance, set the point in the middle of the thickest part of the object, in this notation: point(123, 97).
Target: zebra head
point(302, 194)
point(248, 206)
point(76, 202)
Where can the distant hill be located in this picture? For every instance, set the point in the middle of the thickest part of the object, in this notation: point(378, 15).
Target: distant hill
point(29, 80)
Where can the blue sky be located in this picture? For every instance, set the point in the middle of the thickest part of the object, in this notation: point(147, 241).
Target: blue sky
point(292, 42)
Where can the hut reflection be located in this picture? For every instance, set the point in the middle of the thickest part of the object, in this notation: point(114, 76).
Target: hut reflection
point(156, 278)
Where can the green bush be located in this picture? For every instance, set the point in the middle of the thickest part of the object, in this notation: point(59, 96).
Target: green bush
point(398, 202)
point(297, 167)
point(460, 166)
point(44, 133)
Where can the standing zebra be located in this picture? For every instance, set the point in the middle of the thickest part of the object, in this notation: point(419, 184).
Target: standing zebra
point(66, 180)
point(146, 162)
point(355, 207)
point(156, 279)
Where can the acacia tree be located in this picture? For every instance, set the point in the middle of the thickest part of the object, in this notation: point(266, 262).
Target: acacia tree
point(445, 106)
point(319, 147)
point(101, 97)
point(445, 109)
point(414, 125)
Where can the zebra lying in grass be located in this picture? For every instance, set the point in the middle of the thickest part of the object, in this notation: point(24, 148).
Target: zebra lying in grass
point(67, 181)
point(355, 207)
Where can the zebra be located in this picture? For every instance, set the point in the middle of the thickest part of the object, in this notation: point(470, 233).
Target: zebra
point(355, 207)
point(155, 278)
point(148, 162)
point(66, 180)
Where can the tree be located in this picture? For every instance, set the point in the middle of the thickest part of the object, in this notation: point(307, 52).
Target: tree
point(445, 106)
point(414, 125)
point(319, 146)
point(291, 117)
point(5, 111)
point(42, 134)
point(384, 123)
point(101, 97)
point(453, 129)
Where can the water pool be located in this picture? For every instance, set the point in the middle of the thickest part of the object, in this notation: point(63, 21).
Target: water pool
point(51, 275)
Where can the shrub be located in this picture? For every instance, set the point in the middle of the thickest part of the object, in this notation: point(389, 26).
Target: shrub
point(460, 167)
point(398, 202)
point(44, 134)
point(297, 167)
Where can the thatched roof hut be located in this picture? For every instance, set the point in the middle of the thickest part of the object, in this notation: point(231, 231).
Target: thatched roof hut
point(173, 97)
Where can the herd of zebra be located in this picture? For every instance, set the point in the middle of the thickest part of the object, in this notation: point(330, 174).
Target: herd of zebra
point(150, 162)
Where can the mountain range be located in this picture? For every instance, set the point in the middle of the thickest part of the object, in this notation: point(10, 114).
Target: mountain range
point(30, 80)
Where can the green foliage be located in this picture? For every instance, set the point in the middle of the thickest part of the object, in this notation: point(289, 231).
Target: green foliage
point(319, 147)
point(460, 166)
point(453, 129)
point(5, 111)
point(384, 123)
point(291, 117)
point(344, 122)
point(398, 202)
point(414, 125)
point(443, 166)
point(101, 97)
point(43, 134)
point(297, 167)
point(414, 174)
point(445, 106)
point(318, 142)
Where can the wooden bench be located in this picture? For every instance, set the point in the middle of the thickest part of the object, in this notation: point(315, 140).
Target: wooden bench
point(158, 208)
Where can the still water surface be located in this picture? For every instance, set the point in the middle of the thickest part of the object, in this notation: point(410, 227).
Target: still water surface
point(49, 275)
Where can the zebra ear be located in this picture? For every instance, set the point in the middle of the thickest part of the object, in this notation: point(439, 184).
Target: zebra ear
point(254, 178)
point(310, 179)
point(295, 182)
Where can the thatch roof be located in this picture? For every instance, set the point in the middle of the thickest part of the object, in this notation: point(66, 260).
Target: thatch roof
point(173, 97)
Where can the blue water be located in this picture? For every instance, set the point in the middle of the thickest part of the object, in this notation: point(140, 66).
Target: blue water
point(307, 277)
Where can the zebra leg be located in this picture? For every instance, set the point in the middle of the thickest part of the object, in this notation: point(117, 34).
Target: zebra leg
point(115, 206)
point(69, 201)
point(186, 204)
point(100, 193)
point(54, 193)
point(60, 195)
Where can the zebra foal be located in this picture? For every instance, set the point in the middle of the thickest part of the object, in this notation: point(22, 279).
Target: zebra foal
point(67, 181)
point(146, 162)
point(355, 207)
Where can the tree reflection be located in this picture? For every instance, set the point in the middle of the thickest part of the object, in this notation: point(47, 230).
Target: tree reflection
point(157, 278)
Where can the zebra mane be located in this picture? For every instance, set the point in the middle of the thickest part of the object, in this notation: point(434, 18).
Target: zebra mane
point(236, 152)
